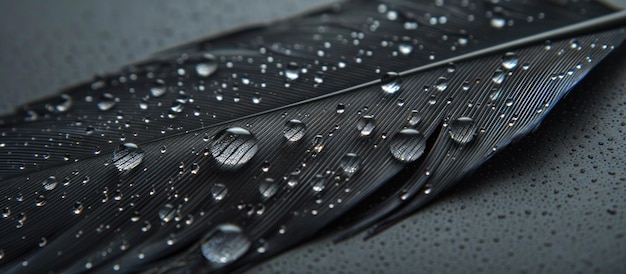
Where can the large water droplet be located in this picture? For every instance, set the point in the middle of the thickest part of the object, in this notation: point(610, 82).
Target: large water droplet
point(462, 130)
point(107, 101)
point(233, 147)
point(350, 164)
point(294, 130)
point(167, 213)
point(405, 48)
point(127, 156)
point(391, 82)
point(407, 145)
point(224, 244)
point(366, 125)
point(510, 60)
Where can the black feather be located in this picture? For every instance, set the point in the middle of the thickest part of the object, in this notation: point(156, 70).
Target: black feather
point(197, 148)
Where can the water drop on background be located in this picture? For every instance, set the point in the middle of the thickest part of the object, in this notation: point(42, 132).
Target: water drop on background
point(407, 145)
point(291, 72)
point(127, 156)
point(224, 244)
point(50, 183)
point(233, 147)
point(158, 89)
point(462, 130)
point(391, 82)
point(294, 130)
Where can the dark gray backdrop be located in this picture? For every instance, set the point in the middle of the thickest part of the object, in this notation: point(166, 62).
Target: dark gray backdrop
point(554, 202)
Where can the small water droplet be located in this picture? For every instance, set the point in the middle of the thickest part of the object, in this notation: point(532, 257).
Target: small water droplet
point(341, 108)
point(127, 156)
point(462, 130)
point(414, 118)
point(268, 188)
point(78, 208)
point(441, 84)
point(407, 145)
point(233, 147)
point(366, 125)
point(6, 212)
point(225, 244)
point(63, 104)
point(318, 183)
point(349, 164)
point(292, 71)
point(107, 101)
point(218, 191)
point(41, 200)
point(158, 89)
point(43, 242)
point(498, 77)
point(498, 22)
point(391, 82)
point(50, 183)
point(294, 130)
point(195, 168)
point(405, 48)
point(510, 60)
point(167, 213)
point(208, 67)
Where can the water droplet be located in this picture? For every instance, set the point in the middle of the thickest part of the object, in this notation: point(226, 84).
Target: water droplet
point(462, 130)
point(225, 244)
point(349, 164)
point(294, 130)
point(218, 191)
point(498, 77)
point(208, 67)
point(6, 212)
point(233, 147)
point(498, 22)
point(43, 242)
point(291, 71)
point(405, 48)
point(391, 82)
point(414, 118)
point(510, 60)
point(64, 103)
point(366, 125)
point(127, 156)
point(341, 108)
point(441, 84)
point(78, 208)
point(268, 188)
point(256, 98)
point(41, 200)
point(318, 183)
point(195, 168)
point(107, 101)
point(407, 145)
point(158, 89)
point(167, 213)
point(50, 183)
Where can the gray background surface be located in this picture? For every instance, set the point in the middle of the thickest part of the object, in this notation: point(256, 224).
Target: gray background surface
point(554, 202)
